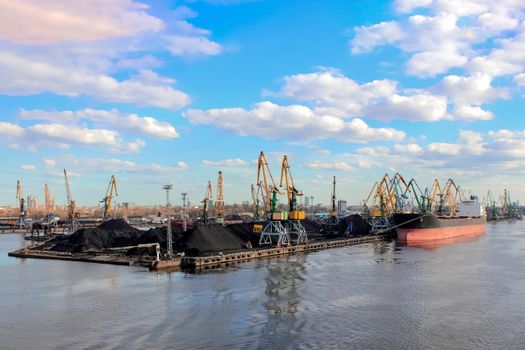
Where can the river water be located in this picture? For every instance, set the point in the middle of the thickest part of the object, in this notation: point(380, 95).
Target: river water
point(466, 295)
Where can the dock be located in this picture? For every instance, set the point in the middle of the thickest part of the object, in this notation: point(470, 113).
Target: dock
point(195, 262)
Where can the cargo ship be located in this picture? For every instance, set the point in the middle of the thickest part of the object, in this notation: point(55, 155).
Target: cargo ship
point(468, 221)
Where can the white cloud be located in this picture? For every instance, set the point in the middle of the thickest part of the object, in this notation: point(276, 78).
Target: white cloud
point(189, 45)
point(38, 22)
point(49, 163)
point(23, 76)
point(444, 34)
point(368, 37)
point(329, 165)
point(10, 129)
point(270, 121)
point(114, 165)
point(75, 135)
point(127, 148)
point(132, 123)
point(453, 98)
point(225, 163)
point(28, 167)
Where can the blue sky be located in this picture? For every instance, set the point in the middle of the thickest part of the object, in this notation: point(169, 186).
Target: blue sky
point(173, 91)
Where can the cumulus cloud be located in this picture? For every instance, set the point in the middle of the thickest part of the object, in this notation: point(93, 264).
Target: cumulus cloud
point(492, 151)
point(443, 34)
point(329, 165)
point(331, 92)
point(132, 123)
point(28, 167)
point(49, 163)
point(37, 22)
point(189, 45)
point(22, 76)
point(225, 163)
point(115, 165)
point(271, 121)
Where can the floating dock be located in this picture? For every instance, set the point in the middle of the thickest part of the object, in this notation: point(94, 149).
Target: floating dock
point(196, 262)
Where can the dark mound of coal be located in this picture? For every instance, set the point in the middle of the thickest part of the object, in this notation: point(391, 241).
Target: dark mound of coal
point(245, 233)
point(311, 226)
point(355, 224)
point(208, 240)
point(110, 234)
point(159, 235)
point(116, 224)
point(142, 251)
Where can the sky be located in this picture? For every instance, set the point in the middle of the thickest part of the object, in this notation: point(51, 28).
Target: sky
point(173, 91)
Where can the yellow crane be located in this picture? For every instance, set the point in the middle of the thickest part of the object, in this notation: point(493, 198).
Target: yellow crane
point(206, 202)
point(71, 205)
point(450, 195)
point(219, 200)
point(108, 198)
point(267, 185)
point(291, 192)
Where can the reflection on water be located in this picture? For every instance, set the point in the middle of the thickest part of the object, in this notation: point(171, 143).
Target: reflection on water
point(465, 295)
point(443, 242)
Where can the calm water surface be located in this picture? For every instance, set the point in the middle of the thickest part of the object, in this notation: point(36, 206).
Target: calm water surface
point(468, 295)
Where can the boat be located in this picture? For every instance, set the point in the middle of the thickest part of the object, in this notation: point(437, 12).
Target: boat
point(468, 221)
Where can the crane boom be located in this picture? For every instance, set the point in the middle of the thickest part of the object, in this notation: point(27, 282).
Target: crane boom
point(266, 182)
point(219, 200)
point(291, 192)
point(108, 199)
point(207, 197)
point(333, 212)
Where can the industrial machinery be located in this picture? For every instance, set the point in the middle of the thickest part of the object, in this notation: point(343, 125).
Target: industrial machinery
point(71, 206)
point(206, 203)
point(219, 201)
point(21, 221)
point(274, 227)
point(108, 198)
point(333, 212)
point(295, 229)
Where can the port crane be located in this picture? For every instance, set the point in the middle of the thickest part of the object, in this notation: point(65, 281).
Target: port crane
point(274, 227)
point(206, 202)
point(219, 201)
point(71, 206)
point(108, 198)
point(333, 212)
point(293, 225)
point(21, 222)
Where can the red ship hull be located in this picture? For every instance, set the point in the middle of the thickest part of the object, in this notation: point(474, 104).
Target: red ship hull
point(432, 228)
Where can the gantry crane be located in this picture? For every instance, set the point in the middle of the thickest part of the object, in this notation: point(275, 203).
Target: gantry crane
point(72, 207)
point(274, 227)
point(267, 185)
point(21, 222)
point(293, 225)
point(108, 198)
point(206, 202)
point(219, 201)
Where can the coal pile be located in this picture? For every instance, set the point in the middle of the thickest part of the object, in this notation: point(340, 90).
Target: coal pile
point(245, 233)
point(357, 226)
point(208, 240)
point(110, 234)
